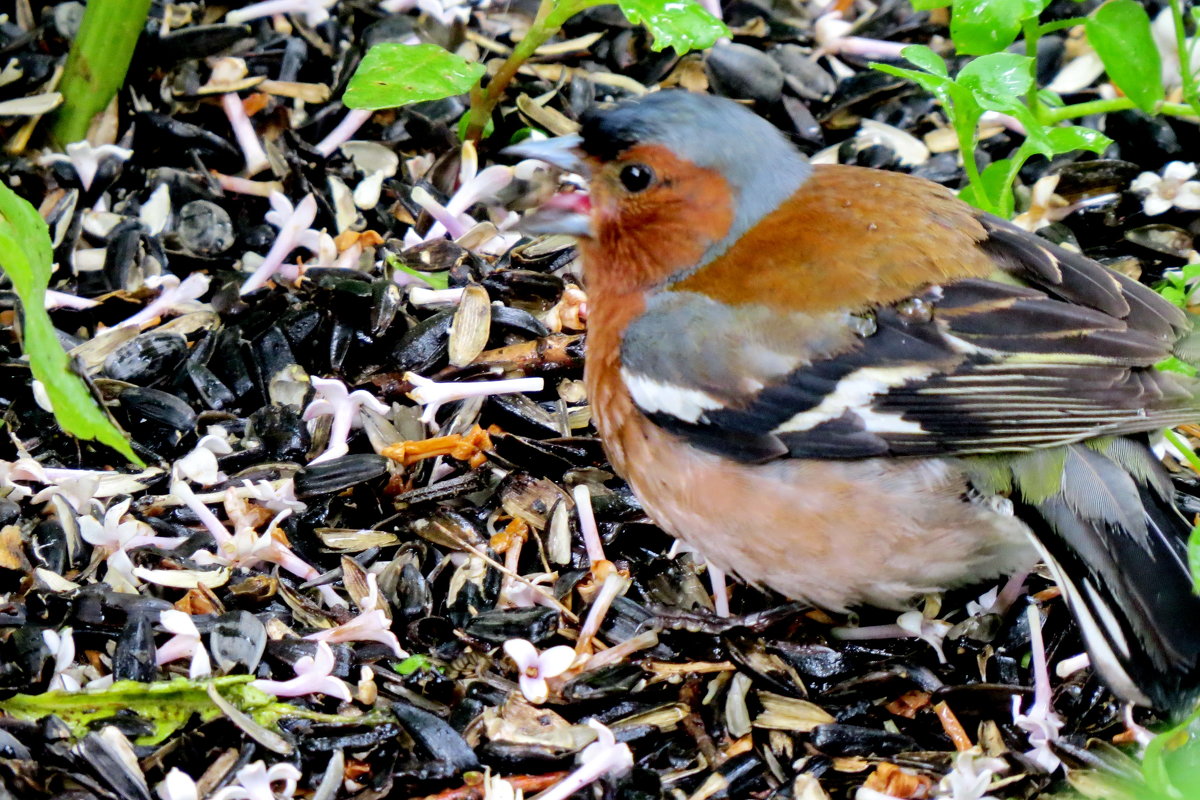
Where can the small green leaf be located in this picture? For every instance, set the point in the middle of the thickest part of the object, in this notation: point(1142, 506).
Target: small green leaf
point(681, 24)
point(1076, 137)
point(26, 257)
point(998, 81)
point(979, 27)
point(926, 5)
point(394, 74)
point(414, 663)
point(1120, 33)
point(921, 56)
point(934, 84)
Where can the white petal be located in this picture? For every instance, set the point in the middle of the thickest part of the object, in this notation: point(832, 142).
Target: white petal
point(534, 689)
point(1154, 205)
point(556, 661)
point(1188, 196)
point(523, 654)
point(1178, 171)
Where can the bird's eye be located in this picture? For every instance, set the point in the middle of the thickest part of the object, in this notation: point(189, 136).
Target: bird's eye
point(636, 177)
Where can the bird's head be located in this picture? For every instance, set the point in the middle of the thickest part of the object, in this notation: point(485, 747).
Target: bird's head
point(674, 179)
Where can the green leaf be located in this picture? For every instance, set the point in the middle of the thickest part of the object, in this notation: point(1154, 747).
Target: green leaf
point(921, 56)
point(926, 5)
point(681, 24)
point(394, 74)
point(26, 256)
point(435, 280)
point(1120, 33)
point(998, 81)
point(1076, 137)
point(979, 27)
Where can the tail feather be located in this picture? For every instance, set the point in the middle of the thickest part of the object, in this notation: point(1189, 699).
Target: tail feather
point(1128, 584)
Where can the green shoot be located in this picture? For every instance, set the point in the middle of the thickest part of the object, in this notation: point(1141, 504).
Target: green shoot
point(25, 256)
point(97, 63)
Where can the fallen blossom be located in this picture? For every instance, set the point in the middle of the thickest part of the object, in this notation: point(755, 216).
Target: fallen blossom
point(335, 400)
point(200, 465)
point(474, 186)
point(971, 777)
point(1040, 722)
point(434, 395)
point(115, 538)
point(315, 11)
point(61, 645)
point(175, 297)
point(600, 758)
point(63, 300)
point(184, 643)
point(534, 668)
point(370, 626)
point(85, 159)
point(313, 676)
point(496, 788)
point(1173, 189)
point(254, 782)
point(294, 232)
point(833, 37)
point(274, 496)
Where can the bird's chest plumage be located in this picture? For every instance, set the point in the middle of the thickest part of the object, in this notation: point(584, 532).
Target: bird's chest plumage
point(852, 532)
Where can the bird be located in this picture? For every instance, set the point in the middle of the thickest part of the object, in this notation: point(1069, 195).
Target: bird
point(848, 386)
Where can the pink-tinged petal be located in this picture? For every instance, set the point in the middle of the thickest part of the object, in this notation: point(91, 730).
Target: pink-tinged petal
point(534, 689)
point(556, 661)
point(201, 666)
point(523, 654)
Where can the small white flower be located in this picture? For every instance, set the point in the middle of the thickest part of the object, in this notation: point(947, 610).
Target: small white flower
point(371, 626)
point(184, 643)
point(1174, 189)
point(116, 538)
point(175, 297)
point(200, 465)
point(335, 400)
point(86, 159)
point(434, 395)
point(313, 675)
point(1040, 723)
point(535, 668)
point(254, 782)
point(931, 631)
point(294, 232)
point(61, 645)
point(315, 11)
point(970, 778)
point(602, 757)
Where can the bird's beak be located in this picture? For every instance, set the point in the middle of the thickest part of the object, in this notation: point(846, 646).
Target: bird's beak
point(561, 151)
point(564, 213)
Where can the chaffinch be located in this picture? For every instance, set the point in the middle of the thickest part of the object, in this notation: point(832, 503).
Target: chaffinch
point(849, 386)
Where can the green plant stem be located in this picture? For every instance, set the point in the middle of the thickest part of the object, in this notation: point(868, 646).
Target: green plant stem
point(97, 63)
point(1076, 110)
point(551, 16)
point(1033, 33)
point(1058, 25)
point(1190, 95)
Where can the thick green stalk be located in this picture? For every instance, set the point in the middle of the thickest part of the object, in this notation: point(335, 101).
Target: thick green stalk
point(1033, 32)
point(1188, 77)
point(97, 63)
point(550, 18)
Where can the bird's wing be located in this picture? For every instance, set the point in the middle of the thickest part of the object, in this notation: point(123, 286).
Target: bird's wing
point(1049, 348)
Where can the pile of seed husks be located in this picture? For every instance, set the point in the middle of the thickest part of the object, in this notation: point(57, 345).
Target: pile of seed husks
point(377, 550)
